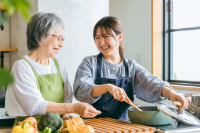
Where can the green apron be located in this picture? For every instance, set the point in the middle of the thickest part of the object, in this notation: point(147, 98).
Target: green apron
point(51, 87)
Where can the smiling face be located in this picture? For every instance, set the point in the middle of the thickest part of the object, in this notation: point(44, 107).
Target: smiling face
point(52, 45)
point(107, 44)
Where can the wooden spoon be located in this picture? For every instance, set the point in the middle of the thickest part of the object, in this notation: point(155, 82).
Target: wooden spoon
point(133, 105)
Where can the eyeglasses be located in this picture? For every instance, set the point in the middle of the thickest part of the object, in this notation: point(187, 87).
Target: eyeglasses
point(60, 39)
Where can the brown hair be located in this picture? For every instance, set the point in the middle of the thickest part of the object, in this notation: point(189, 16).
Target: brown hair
point(110, 24)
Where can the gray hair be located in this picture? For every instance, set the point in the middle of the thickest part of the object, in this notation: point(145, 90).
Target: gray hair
point(41, 27)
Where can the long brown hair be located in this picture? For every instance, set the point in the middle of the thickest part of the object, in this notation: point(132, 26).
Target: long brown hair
point(110, 24)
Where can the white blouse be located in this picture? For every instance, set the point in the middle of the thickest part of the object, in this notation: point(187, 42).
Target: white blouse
point(23, 98)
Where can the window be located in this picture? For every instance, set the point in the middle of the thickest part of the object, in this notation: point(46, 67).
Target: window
point(181, 41)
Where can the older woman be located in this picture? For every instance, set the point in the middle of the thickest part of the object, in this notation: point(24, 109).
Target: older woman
point(41, 82)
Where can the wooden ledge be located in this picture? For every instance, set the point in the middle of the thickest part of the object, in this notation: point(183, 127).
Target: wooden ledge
point(186, 88)
point(2, 8)
point(8, 49)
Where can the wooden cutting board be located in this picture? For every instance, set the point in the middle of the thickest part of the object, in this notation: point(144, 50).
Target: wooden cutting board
point(5, 129)
point(109, 125)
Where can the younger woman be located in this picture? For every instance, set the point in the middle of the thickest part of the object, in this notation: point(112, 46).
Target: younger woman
point(108, 79)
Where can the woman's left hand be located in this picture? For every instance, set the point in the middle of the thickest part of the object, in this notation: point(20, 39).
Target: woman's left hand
point(175, 97)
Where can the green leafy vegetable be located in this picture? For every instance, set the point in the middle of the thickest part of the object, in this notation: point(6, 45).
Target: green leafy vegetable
point(51, 120)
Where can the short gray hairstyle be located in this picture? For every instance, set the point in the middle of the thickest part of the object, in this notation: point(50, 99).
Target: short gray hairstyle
point(41, 26)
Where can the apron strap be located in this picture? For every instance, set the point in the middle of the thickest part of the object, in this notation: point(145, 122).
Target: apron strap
point(99, 65)
point(56, 63)
point(36, 74)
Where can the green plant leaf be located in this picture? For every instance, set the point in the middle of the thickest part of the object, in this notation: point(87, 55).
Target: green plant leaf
point(25, 13)
point(23, 6)
point(175, 76)
point(27, 4)
point(9, 6)
point(5, 78)
point(10, 10)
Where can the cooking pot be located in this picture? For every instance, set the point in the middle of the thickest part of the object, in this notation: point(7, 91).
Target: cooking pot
point(149, 116)
point(193, 103)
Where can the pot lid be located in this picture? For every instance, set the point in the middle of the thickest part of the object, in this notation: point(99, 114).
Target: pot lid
point(175, 113)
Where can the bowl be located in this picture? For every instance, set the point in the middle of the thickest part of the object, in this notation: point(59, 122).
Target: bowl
point(149, 116)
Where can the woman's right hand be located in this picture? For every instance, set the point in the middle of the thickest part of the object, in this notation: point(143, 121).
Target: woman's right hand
point(85, 110)
point(118, 93)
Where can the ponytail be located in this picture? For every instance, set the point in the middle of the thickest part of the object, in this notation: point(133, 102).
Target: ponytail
point(121, 48)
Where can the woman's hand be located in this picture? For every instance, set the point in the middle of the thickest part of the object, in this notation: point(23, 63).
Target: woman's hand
point(177, 97)
point(118, 93)
point(85, 110)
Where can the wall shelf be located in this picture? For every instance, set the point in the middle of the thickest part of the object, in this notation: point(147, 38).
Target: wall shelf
point(9, 49)
point(2, 10)
point(6, 50)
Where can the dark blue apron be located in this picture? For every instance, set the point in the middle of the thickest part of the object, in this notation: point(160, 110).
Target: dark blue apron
point(109, 106)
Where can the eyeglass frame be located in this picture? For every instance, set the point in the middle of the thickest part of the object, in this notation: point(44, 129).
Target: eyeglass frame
point(60, 39)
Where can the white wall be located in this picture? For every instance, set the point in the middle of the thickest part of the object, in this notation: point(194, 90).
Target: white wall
point(135, 16)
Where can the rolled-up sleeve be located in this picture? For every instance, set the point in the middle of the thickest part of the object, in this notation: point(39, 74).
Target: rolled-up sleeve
point(84, 82)
point(147, 86)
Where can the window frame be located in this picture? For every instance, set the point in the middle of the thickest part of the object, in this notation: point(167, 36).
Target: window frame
point(167, 45)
